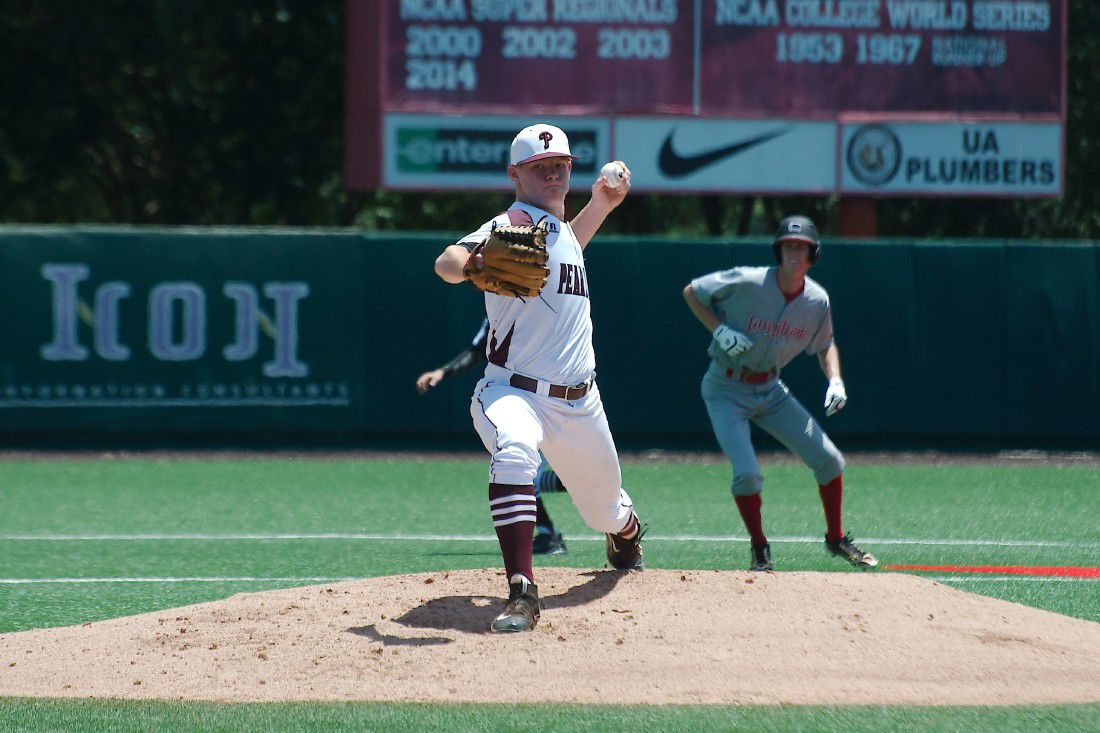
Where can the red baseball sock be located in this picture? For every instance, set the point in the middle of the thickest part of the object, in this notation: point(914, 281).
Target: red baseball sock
point(831, 494)
point(513, 510)
point(749, 506)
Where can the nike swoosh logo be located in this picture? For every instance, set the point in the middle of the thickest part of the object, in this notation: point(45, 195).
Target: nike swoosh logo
point(678, 166)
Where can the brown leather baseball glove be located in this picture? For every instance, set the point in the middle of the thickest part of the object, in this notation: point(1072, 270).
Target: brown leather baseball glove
point(511, 261)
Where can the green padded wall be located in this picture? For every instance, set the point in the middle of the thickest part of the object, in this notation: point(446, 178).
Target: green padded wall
point(233, 336)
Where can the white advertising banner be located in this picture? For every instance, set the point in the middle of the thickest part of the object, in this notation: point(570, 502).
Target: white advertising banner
point(737, 156)
point(1011, 159)
point(427, 152)
point(725, 155)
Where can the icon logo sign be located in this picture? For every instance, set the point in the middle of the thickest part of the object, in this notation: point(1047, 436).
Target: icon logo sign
point(177, 319)
point(674, 165)
point(874, 155)
point(546, 137)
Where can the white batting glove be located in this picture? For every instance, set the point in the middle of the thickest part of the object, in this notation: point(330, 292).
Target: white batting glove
point(835, 397)
point(732, 342)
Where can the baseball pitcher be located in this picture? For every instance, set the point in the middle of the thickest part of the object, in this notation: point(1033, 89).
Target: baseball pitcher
point(760, 318)
point(539, 390)
point(548, 540)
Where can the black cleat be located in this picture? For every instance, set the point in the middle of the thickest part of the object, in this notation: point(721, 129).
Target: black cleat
point(626, 554)
point(761, 558)
point(845, 549)
point(549, 543)
point(521, 613)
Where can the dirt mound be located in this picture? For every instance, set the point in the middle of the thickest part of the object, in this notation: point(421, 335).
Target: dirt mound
point(659, 636)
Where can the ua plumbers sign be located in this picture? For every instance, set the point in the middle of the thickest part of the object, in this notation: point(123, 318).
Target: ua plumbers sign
point(981, 158)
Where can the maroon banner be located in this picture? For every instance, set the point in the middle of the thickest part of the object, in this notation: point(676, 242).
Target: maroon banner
point(540, 55)
point(802, 58)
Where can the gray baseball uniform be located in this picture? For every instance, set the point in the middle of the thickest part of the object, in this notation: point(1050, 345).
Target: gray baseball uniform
point(747, 387)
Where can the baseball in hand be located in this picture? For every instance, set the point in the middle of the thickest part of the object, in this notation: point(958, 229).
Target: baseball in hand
point(614, 174)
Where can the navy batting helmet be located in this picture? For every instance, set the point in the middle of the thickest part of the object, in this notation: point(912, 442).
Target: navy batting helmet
point(798, 229)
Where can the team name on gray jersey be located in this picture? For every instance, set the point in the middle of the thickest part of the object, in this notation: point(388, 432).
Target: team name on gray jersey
point(748, 299)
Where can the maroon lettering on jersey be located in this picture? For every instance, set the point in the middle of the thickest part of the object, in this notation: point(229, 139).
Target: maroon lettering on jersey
point(546, 137)
point(572, 280)
point(780, 329)
point(498, 354)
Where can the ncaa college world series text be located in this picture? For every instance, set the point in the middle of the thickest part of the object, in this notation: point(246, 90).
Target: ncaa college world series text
point(445, 39)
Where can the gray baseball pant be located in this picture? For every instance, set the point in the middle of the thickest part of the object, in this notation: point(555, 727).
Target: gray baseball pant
point(731, 404)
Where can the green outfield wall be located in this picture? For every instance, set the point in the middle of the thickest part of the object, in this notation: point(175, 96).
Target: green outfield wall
point(121, 336)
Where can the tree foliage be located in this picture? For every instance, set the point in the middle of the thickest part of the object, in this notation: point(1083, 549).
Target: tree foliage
point(174, 112)
point(152, 111)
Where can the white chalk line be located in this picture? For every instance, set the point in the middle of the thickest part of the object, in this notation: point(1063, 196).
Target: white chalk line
point(398, 537)
point(480, 538)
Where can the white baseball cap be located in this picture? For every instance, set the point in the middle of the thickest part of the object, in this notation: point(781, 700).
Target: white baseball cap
point(540, 141)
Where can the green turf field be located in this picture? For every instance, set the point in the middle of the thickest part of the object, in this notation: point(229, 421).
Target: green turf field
point(83, 540)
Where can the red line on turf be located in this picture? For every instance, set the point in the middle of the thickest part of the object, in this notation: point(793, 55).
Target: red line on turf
point(1068, 572)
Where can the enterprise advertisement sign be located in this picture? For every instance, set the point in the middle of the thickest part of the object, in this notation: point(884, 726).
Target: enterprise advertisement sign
point(443, 152)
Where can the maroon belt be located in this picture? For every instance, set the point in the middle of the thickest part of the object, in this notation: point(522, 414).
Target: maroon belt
point(556, 390)
point(751, 377)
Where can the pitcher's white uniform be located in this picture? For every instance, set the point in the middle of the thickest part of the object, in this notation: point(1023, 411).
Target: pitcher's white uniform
point(545, 343)
point(539, 389)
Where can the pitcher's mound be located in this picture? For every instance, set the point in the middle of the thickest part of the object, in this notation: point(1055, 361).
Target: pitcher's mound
point(659, 636)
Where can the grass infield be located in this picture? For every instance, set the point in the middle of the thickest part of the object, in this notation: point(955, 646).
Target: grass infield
point(83, 540)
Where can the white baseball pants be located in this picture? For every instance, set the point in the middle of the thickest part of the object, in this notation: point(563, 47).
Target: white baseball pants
point(514, 425)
